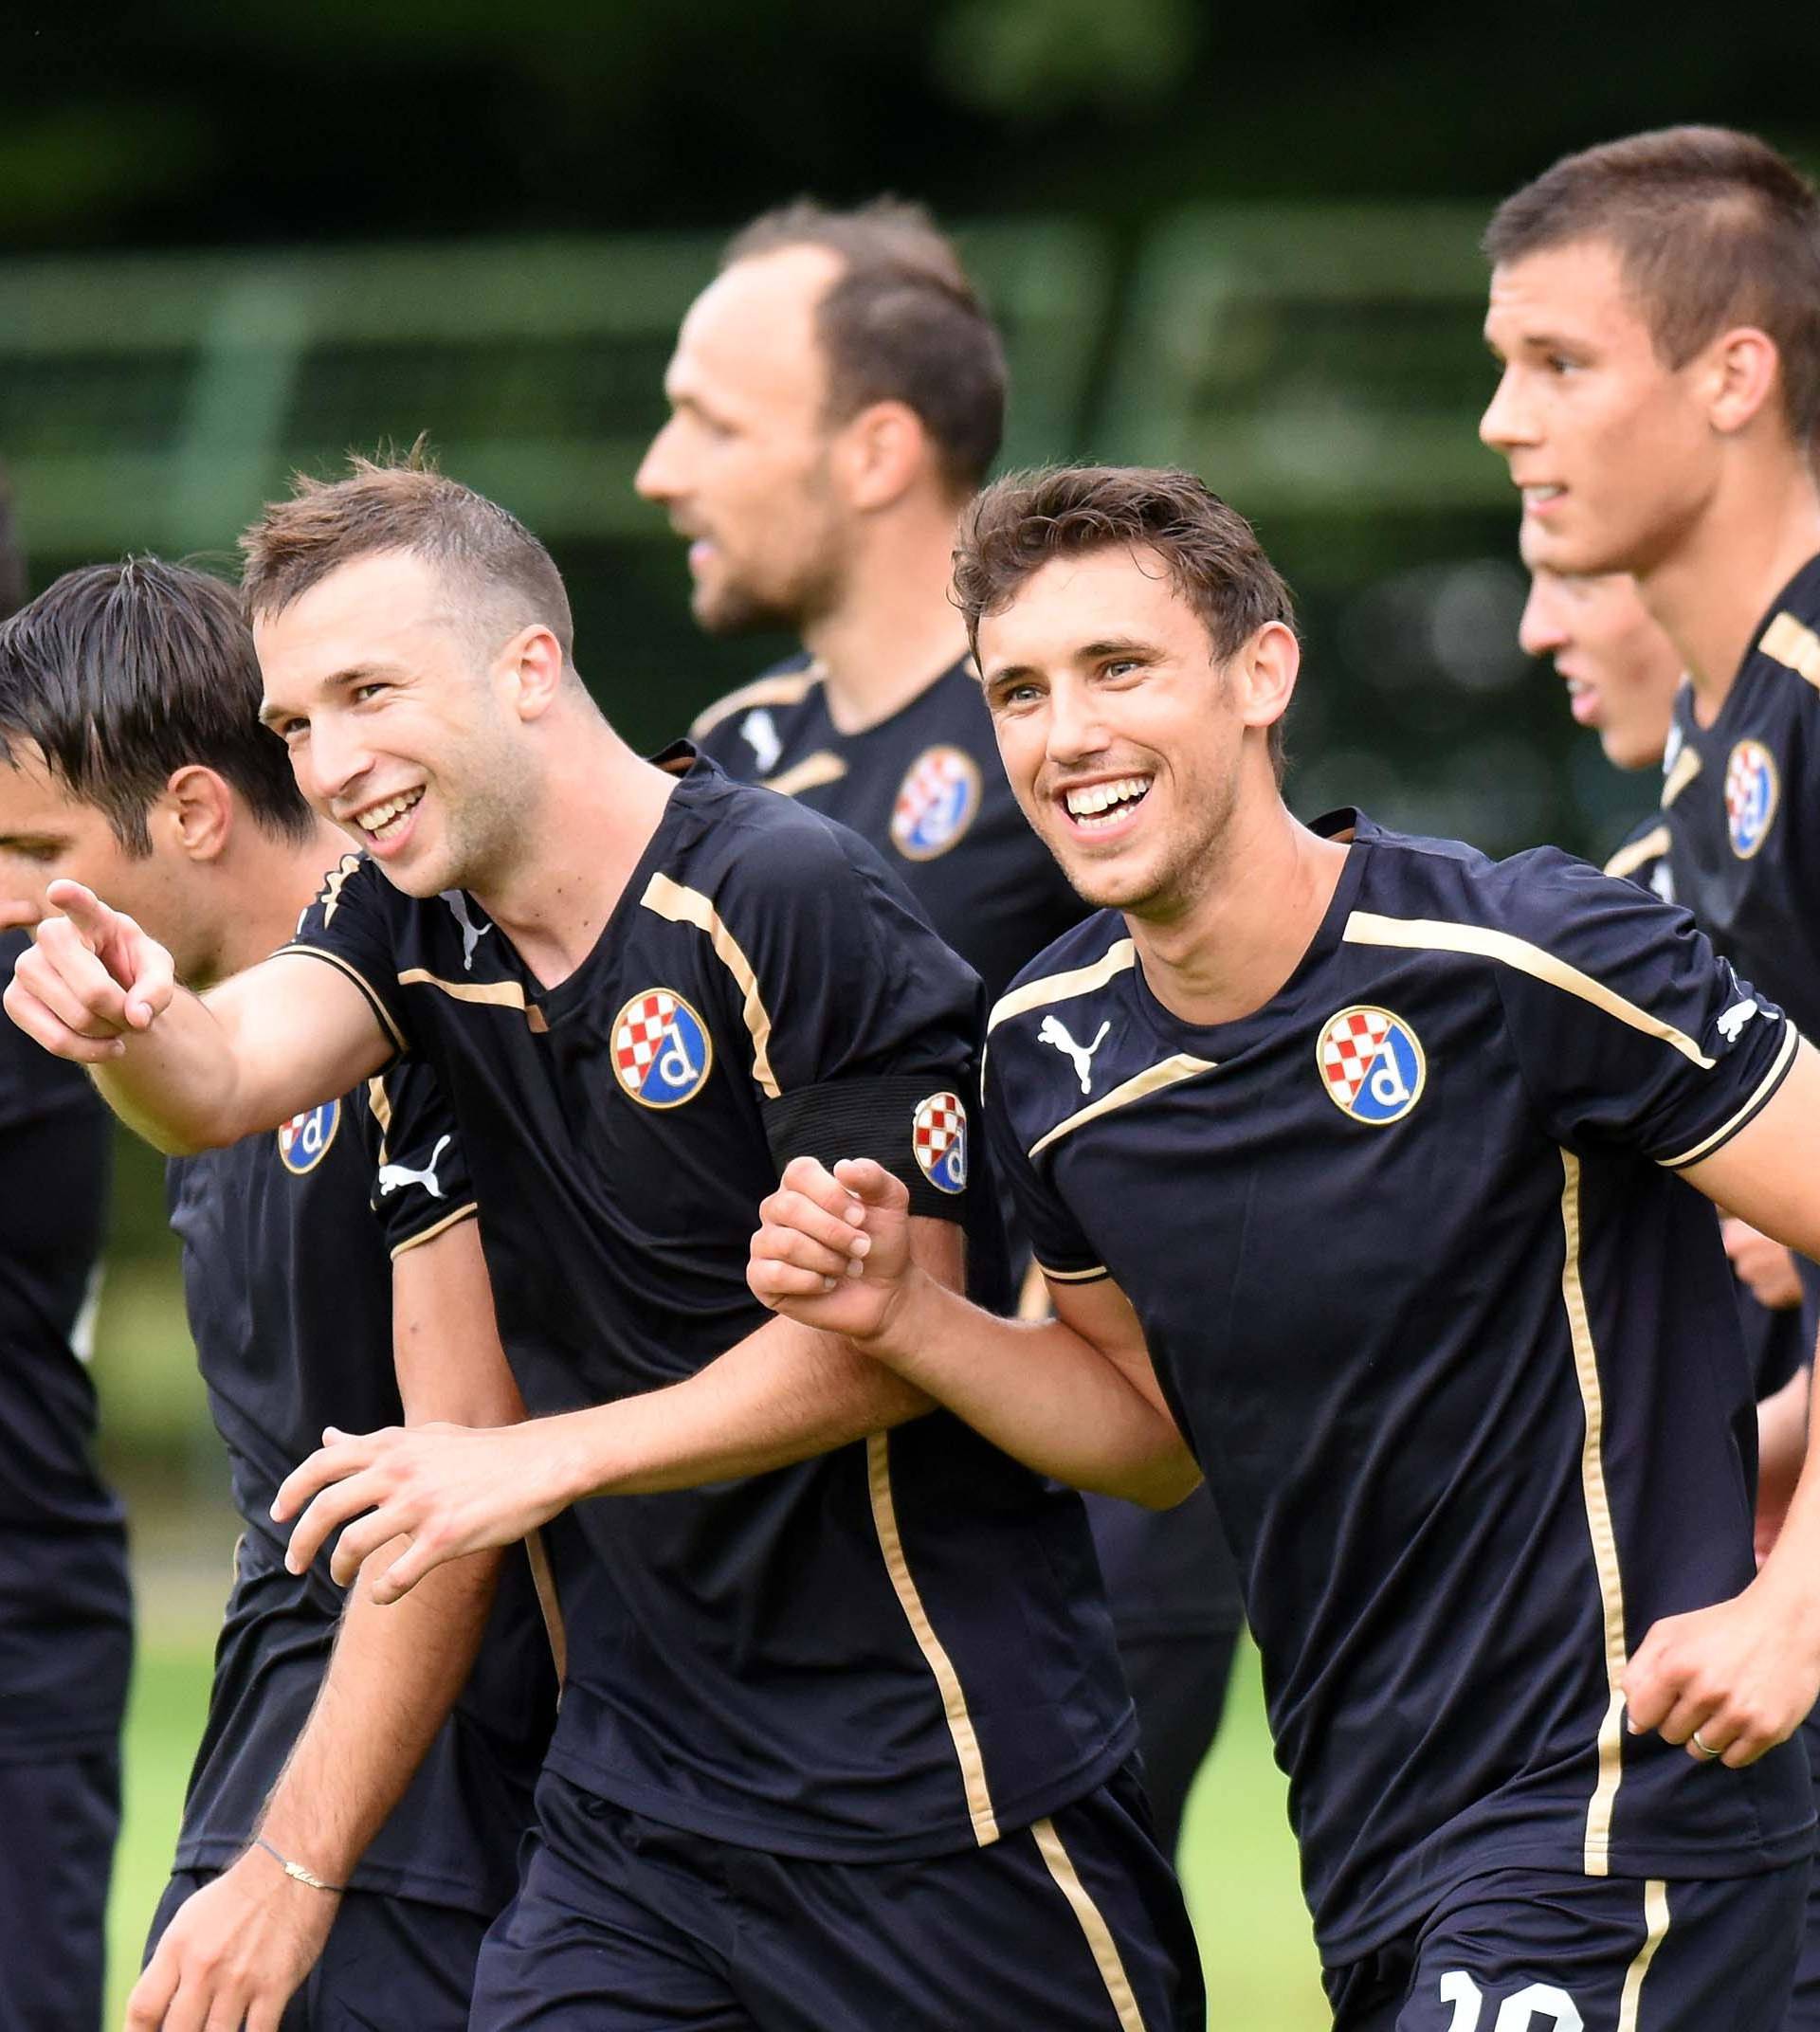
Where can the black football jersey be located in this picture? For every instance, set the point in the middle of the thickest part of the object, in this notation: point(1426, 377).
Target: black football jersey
point(1456, 1349)
point(287, 1243)
point(66, 1612)
point(926, 789)
point(812, 1660)
point(1741, 802)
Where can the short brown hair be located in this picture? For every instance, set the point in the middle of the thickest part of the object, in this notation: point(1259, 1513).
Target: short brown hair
point(902, 322)
point(405, 504)
point(1212, 554)
point(1712, 228)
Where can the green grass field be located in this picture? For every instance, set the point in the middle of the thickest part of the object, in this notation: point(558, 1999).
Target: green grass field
point(1237, 1860)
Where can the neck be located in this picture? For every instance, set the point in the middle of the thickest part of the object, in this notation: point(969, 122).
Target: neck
point(895, 630)
point(275, 880)
point(598, 805)
point(1235, 945)
point(1711, 592)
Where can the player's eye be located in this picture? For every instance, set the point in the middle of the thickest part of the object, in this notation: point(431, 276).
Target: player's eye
point(364, 694)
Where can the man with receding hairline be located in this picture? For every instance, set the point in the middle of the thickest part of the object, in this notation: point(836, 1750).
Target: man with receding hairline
point(800, 1778)
point(837, 394)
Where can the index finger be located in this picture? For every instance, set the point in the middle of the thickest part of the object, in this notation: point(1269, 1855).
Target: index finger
point(344, 1455)
point(82, 906)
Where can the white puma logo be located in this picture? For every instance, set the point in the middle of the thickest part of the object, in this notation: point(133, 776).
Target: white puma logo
point(759, 732)
point(471, 933)
point(1735, 1018)
point(1053, 1033)
point(394, 1177)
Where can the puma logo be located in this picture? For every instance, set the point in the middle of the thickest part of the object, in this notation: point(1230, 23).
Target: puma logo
point(1735, 1018)
point(1053, 1033)
point(759, 732)
point(394, 1177)
point(471, 933)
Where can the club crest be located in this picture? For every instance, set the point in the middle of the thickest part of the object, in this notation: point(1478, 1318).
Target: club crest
point(1750, 791)
point(662, 1051)
point(936, 800)
point(1371, 1065)
point(939, 1137)
point(303, 1141)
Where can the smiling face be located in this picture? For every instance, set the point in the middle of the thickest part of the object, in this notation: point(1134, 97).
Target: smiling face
point(1129, 746)
point(1612, 450)
point(398, 717)
point(743, 463)
point(1621, 670)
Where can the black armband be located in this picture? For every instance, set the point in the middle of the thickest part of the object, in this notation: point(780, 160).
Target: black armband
point(911, 1123)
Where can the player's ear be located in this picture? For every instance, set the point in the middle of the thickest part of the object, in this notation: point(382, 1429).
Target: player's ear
point(1741, 374)
point(194, 814)
point(880, 454)
point(531, 665)
point(1264, 674)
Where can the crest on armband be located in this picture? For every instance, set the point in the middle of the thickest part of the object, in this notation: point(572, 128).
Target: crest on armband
point(938, 1141)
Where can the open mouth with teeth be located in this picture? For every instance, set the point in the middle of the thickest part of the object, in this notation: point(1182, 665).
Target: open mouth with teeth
point(1099, 806)
point(385, 821)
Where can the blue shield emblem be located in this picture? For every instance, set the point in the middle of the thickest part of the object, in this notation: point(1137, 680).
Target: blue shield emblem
point(303, 1141)
point(1372, 1067)
point(936, 803)
point(939, 1140)
point(1751, 790)
point(662, 1051)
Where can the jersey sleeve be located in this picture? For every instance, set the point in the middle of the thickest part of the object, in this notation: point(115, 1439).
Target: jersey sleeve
point(1626, 1026)
point(1062, 1253)
point(862, 1025)
point(349, 926)
point(420, 1183)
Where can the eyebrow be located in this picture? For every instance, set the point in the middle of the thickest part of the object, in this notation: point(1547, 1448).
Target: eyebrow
point(355, 674)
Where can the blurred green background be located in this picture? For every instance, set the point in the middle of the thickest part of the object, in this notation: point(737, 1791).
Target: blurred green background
point(234, 238)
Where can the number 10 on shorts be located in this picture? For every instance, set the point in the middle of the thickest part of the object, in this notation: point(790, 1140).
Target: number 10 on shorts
point(1540, 2007)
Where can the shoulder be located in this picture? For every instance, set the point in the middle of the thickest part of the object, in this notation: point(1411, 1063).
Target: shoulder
point(1643, 857)
point(1791, 640)
point(776, 691)
point(1088, 956)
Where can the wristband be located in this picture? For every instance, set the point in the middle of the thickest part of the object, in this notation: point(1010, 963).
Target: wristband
point(297, 1869)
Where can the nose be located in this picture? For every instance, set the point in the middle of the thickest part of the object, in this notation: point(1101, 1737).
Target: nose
point(656, 478)
point(1506, 422)
point(331, 761)
point(1077, 728)
point(1540, 631)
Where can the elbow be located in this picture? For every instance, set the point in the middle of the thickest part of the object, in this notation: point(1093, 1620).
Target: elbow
point(1162, 1483)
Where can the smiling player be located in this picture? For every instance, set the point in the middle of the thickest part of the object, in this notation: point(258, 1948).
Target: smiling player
point(1369, 1212)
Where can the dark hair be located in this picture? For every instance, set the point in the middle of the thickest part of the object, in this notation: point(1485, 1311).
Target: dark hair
point(12, 556)
point(485, 553)
point(121, 674)
point(1212, 554)
point(1712, 228)
point(902, 322)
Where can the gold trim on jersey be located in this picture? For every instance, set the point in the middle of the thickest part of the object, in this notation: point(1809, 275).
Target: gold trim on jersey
point(790, 688)
point(379, 1101)
point(1599, 1528)
point(1153, 1080)
point(488, 994)
point(811, 774)
point(1063, 1277)
point(550, 1605)
point(1060, 987)
point(1784, 1055)
point(1104, 1948)
point(373, 995)
point(1631, 857)
point(953, 1701)
point(1686, 768)
point(330, 894)
point(1794, 645)
point(440, 1227)
point(1655, 1925)
point(689, 906)
point(1434, 934)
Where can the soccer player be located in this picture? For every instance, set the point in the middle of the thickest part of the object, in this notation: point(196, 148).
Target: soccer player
point(836, 397)
point(66, 1607)
point(1372, 1212)
point(801, 1777)
point(309, 1854)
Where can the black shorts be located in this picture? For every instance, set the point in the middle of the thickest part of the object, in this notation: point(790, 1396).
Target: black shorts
point(1542, 1950)
point(390, 1964)
point(58, 1820)
point(623, 1924)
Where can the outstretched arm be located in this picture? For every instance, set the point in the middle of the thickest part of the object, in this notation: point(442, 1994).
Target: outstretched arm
point(189, 1072)
point(244, 1943)
point(785, 1394)
point(1075, 1397)
point(1742, 1674)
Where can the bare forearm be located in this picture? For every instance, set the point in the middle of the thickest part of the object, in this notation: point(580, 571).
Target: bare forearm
point(174, 1085)
point(1039, 1392)
point(394, 1675)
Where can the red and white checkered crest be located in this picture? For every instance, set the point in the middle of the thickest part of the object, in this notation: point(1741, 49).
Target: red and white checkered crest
point(639, 1036)
point(1349, 1048)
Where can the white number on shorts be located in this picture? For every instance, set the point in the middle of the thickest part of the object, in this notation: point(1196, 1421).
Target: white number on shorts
point(1554, 2008)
